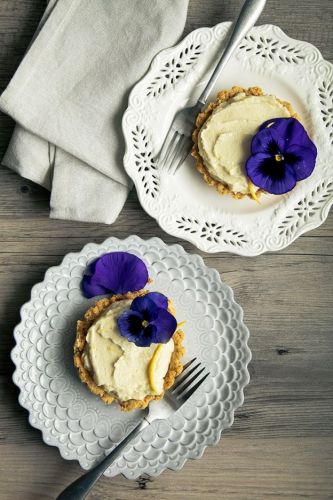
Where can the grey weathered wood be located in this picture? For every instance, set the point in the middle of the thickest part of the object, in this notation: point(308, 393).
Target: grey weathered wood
point(281, 444)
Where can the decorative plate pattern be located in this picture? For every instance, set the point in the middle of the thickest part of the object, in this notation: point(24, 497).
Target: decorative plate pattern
point(76, 421)
point(183, 204)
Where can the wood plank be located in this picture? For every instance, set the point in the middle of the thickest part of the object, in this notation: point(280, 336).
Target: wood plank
point(297, 467)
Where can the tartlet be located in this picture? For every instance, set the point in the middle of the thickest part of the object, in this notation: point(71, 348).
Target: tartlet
point(86, 372)
point(219, 179)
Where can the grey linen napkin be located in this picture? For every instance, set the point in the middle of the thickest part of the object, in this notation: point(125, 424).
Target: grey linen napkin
point(69, 94)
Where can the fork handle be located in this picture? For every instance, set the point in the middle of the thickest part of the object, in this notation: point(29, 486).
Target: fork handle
point(80, 488)
point(247, 18)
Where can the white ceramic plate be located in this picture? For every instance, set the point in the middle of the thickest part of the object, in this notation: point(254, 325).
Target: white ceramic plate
point(79, 423)
point(184, 205)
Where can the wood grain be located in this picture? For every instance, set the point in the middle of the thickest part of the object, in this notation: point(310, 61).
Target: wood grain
point(281, 444)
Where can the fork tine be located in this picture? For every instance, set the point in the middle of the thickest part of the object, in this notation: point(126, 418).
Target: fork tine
point(181, 389)
point(184, 377)
point(173, 149)
point(183, 152)
point(184, 397)
point(177, 152)
point(166, 145)
point(188, 364)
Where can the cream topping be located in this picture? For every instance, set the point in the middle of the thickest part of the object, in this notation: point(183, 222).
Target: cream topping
point(225, 138)
point(119, 366)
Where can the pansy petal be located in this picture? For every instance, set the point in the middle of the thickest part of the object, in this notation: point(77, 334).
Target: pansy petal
point(91, 288)
point(256, 160)
point(142, 341)
point(145, 337)
point(130, 324)
point(267, 141)
point(292, 130)
point(166, 325)
point(92, 265)
point(159, 299)
point(302, 160)
point(120, 272)
point(150, 332)
point(274, 177)
point(281, 125)
point(146, 307)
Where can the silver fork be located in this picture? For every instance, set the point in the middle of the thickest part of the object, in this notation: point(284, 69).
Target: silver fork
point(177, 143)
point(186, 384)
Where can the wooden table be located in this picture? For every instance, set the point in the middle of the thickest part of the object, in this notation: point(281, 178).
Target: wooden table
point(281, 444)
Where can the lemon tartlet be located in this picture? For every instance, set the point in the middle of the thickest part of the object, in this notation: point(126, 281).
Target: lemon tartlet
point(223, 134)
point(116, 369)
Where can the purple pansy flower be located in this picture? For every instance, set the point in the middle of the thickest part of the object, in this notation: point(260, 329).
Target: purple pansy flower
point(115, 272)
point(147, 321)
point(282, 154)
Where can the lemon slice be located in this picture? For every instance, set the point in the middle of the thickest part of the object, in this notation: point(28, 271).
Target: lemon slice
point(182, 323)
point(253, 192)
point(152, 368)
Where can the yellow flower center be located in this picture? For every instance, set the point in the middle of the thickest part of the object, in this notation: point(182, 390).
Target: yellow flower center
point(145, 323)
point(279, 158)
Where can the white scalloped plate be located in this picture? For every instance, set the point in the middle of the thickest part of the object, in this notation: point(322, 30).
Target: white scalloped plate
point(183, 205)
point(79, 423)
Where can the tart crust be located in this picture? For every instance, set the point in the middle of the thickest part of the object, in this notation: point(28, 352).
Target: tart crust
point(175, 366)
point(223, 96)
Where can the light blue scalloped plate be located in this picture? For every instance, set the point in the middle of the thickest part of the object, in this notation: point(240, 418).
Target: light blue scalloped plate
point(79, 423)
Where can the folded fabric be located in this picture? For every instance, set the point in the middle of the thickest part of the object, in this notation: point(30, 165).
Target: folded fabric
point(69, 94)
